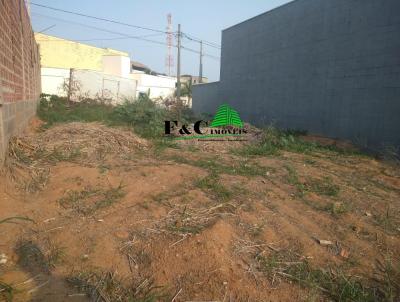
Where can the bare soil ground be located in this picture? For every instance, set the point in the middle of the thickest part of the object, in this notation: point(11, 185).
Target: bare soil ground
point(116, 219)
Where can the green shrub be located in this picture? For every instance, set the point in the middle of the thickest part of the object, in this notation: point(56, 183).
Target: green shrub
point(274, 140)
point(56, 109)
point(146, 118)
point(143, 115)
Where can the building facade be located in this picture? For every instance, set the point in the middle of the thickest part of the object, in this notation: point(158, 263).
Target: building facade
point(97, 73)
point(19, 71)
point(195, 79)
point(61, 53)
point(157, 87)
point(329, 67)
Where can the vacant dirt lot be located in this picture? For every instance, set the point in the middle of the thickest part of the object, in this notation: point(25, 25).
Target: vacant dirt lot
point(118, 218)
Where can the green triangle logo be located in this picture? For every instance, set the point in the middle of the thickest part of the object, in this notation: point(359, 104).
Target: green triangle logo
point(226, 116)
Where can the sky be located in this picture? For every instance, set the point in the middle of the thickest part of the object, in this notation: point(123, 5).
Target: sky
point(202, 19)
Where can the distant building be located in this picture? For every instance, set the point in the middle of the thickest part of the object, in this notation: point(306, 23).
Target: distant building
point(61, 53)
point(100, 73)
point(195, 79)
point(157, 86)
point(103, 73)
point(137, 66)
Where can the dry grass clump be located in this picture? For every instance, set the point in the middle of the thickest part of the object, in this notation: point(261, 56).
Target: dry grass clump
point(37, 258)
point(89, 200)
point(109, 286)
point(31, 156)
point(94, 140)
point(184, 220)
point(288, 264)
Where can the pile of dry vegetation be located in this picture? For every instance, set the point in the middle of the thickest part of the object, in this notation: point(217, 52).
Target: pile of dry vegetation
point(31, 155)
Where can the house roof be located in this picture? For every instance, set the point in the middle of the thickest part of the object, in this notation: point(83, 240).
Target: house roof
point(192, 76)
point(139, 65)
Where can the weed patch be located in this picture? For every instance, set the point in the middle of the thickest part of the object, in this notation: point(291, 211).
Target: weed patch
point(90, 200)
point(274, 140)
point(164, 197)
point(339, 208)
point(32, 258)
point(324, 186)
point(213, 185)
point(108, 286)
point(241, 167)
point(58, 110)
point(333, 283)
point(246, 168)
point(388, 220)
point(388, 278)
point(6, 291)
point(293, 179)
point(185, 220)
point(144, 116)
point(161, 144)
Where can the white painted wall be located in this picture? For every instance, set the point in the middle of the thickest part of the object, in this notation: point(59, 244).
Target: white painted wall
point(115, 82)
point(98, 85)
point(117, 65)
point(93, 84)
point(160, 86)
point(53, 80)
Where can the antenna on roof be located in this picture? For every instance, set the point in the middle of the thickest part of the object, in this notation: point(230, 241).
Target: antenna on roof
point(169, 59)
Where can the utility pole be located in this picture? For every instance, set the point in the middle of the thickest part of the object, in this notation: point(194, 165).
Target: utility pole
point(70, 85)
point(178, 68)
point(201, 63)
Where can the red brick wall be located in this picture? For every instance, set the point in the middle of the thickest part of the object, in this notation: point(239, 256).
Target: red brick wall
point(19, 54)
point(19, 71)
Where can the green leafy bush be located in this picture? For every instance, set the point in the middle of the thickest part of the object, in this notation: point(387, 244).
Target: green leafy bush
point(54, 109)
point(143, 115)
point(274, 140)
point(146, 118)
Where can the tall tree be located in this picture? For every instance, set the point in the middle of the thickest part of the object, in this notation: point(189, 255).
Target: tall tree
point(187, 90)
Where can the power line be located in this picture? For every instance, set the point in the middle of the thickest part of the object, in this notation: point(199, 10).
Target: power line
point(98, 18)
point(124, 36)
point(99, 39)
point(102, 29)
point(211, 44)
point(47, 28)
point(198, 52)
point(190, 37)
point(212, 57)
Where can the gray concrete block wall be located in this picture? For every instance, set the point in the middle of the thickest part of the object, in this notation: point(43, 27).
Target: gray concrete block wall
point(329, 67)
point(206, 96)
point(14, 117)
